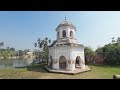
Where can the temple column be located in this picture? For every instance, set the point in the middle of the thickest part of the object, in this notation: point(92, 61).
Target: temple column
point(70, 65)
point(82, 64)
point(55, 64)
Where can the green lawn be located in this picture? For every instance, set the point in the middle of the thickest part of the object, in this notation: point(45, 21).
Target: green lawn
point(38, 72)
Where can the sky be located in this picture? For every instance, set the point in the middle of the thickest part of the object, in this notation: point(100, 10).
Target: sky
point(20, 29)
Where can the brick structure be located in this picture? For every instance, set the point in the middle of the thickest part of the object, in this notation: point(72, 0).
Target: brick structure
point(99, 58)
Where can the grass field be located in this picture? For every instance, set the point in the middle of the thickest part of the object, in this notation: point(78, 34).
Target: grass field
point(38, 72)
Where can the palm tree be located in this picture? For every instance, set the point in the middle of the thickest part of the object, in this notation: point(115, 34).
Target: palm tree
point(43, 47)
point(39, 40)
point(2, 44)
point(49, 41)
point(35, 44)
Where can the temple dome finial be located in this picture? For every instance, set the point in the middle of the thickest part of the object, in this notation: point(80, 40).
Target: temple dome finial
point(65, 23)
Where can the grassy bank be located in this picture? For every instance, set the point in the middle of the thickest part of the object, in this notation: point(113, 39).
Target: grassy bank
point(38, 72)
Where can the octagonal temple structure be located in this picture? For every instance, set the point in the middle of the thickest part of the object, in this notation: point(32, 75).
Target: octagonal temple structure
point(66, 53)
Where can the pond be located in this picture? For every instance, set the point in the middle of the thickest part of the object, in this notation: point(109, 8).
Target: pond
point(15, 63)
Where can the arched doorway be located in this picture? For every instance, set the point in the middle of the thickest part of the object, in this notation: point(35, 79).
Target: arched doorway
point(62, 62)
point(77, 61)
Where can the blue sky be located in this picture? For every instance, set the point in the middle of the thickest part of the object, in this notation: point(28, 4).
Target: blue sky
point(20, 29)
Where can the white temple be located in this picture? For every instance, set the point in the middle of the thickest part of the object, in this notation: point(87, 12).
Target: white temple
point(66, 53)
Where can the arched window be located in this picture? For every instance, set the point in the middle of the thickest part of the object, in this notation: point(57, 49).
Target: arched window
point(62, 62)
point(71, 34)
point(58, 35)
point(64, 33)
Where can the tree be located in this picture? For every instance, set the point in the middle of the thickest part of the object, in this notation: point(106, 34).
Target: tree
point(111, 52)
point(20, 53)
point(89, 54)
point(35, 44)
point(2, 44)
point(8, 52)
point(113, 40)
point(25, 52)
point(118, 40)
point(35, 52)
point(8, 48)
point(43, 45)
point(12, 49)
point(99, 50)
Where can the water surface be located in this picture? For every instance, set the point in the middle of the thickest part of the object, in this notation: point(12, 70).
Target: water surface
point(15, 63)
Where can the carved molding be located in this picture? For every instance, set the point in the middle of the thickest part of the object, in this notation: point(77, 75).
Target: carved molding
point(55, 61)
point(71, 61)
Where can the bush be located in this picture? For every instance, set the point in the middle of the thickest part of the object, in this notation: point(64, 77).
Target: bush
point(111, 53)
point(89, 55)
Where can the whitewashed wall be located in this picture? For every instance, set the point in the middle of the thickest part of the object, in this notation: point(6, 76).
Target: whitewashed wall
point(69, 52)
point(67, 29)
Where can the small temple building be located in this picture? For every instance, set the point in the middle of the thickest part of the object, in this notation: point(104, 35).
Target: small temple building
point(66, 53)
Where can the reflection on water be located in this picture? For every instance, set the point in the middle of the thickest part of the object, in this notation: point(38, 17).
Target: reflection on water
point(15, 63)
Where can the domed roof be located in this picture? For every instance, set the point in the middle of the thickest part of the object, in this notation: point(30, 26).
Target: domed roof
point(65, 23)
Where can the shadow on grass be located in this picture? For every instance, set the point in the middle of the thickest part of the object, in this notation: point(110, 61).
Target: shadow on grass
point(104, 65)
point(20, 67)
point(37, 68)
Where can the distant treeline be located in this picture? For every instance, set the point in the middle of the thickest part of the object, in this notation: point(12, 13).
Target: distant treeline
point(11, 52)
point(110, 53)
